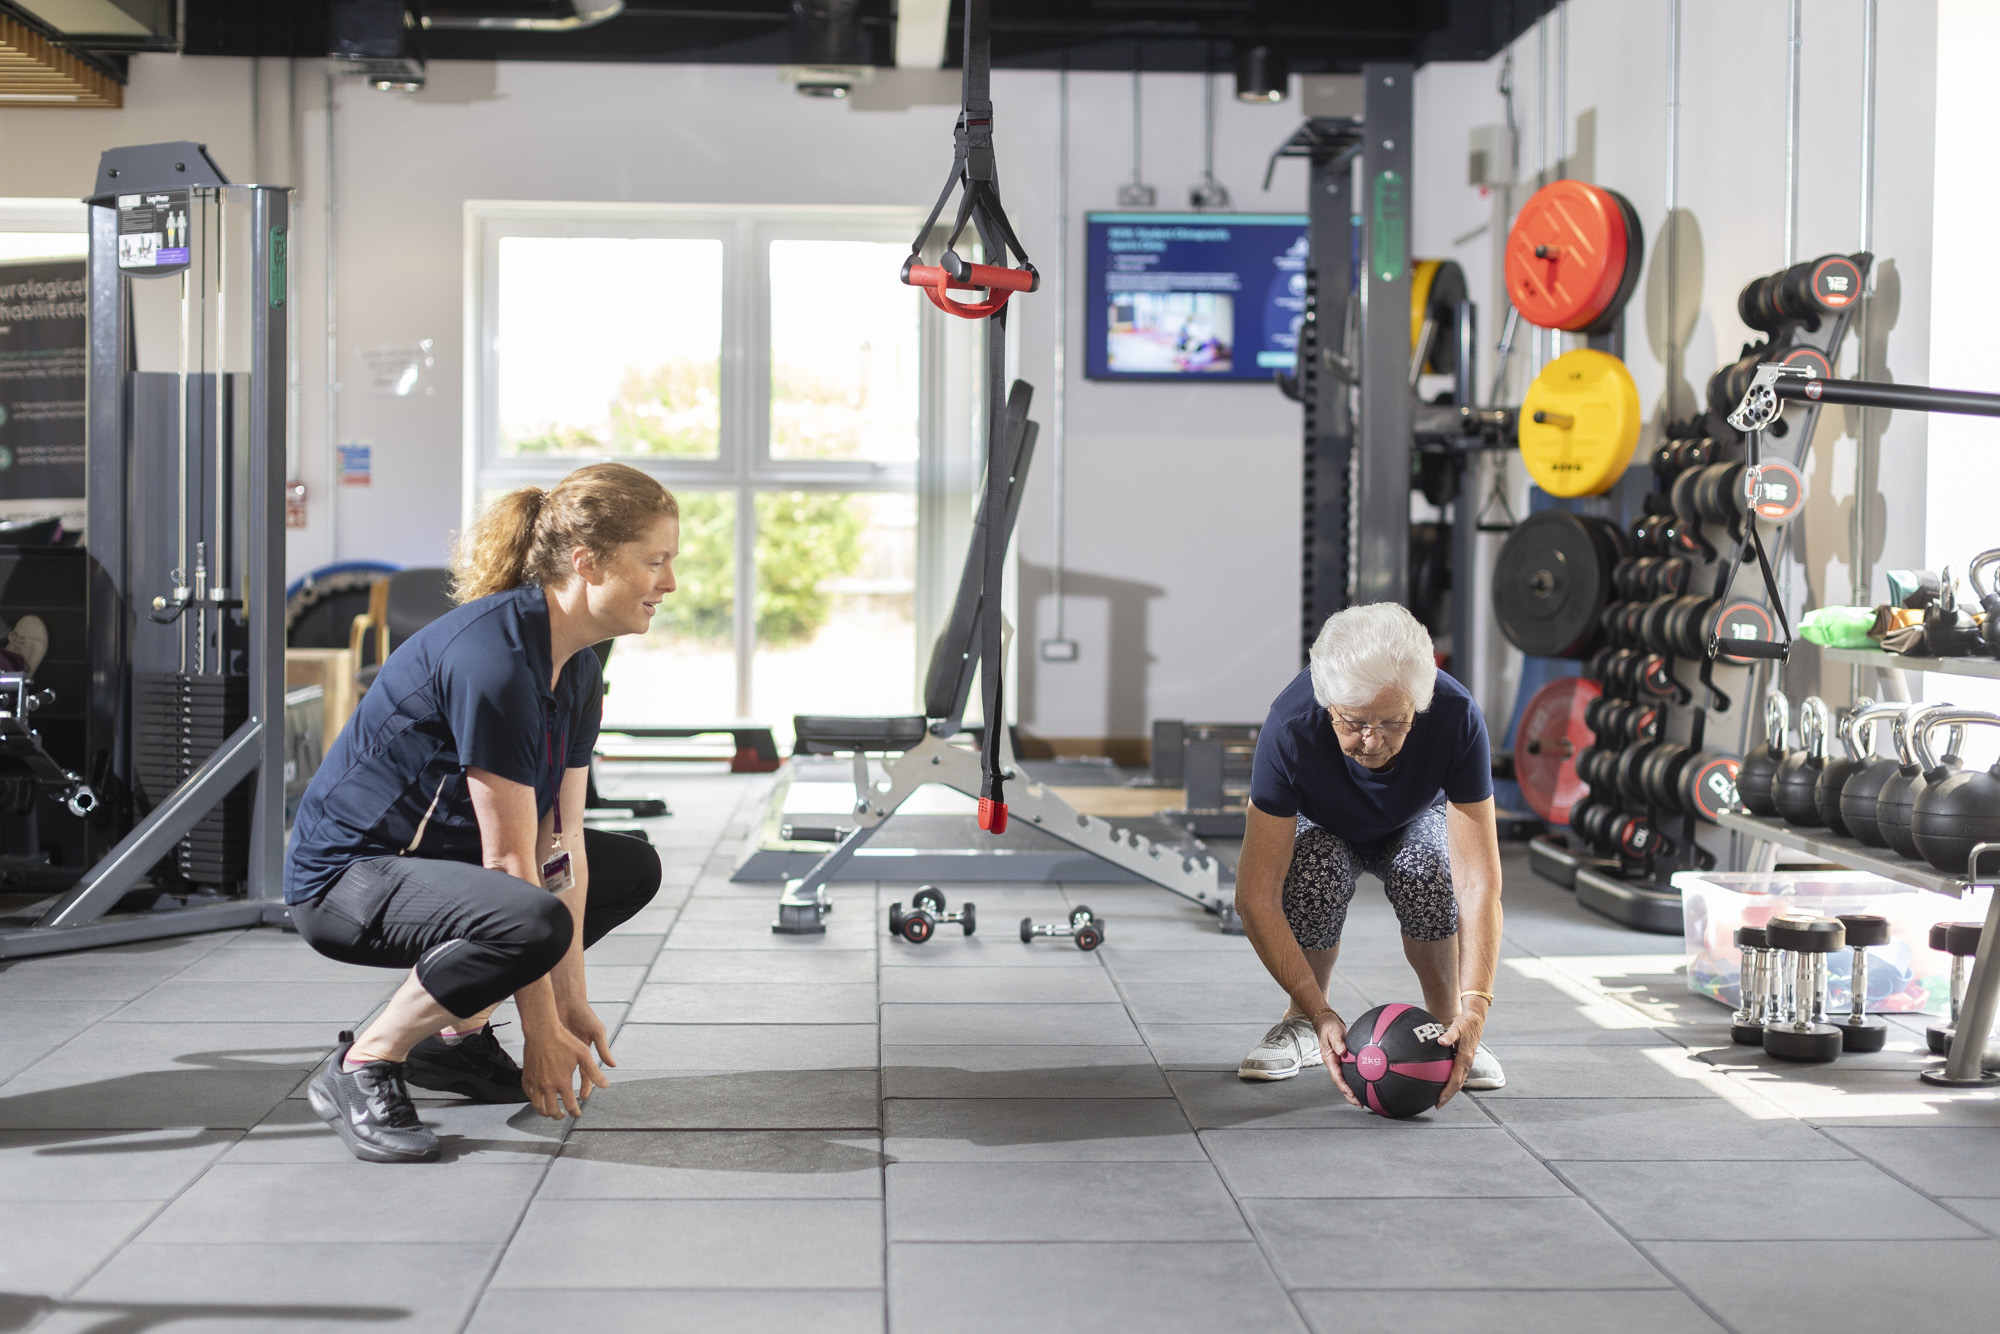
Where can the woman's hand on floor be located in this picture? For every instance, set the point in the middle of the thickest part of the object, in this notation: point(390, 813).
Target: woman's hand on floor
point(1463, 1034)
point(1332, 1031)
point(586, 1027)
point(554, 1059)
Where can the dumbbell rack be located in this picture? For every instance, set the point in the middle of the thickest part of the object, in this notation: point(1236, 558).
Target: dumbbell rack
point(1659, 630)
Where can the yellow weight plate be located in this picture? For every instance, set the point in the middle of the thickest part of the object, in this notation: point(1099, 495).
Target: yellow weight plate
point(1422, 274)
point(1580, 423)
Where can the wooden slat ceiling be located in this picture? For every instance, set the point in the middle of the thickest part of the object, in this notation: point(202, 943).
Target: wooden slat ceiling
point(36, 73)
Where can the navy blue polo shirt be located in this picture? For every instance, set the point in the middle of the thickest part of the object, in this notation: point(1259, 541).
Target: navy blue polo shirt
point(469, 690)
point(1301, 770)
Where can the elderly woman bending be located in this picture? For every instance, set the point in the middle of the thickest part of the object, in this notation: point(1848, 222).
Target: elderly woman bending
point(1373, 760)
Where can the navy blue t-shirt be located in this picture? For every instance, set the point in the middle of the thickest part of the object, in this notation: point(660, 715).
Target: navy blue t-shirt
point(469, 690)
point(1300, 769)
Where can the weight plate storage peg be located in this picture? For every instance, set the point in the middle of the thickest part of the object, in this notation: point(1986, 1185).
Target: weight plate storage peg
point(1580, 423)
point(1803, 942)
point(1551, 581)
point(1573, 257)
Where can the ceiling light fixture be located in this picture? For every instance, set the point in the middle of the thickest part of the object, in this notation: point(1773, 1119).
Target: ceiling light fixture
point(1262, 75)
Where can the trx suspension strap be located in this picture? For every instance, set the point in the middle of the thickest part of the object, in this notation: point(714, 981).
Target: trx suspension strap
point(973, 172)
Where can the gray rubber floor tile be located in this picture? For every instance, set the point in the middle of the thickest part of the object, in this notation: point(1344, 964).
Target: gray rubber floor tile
point(1070, 1201)
point(1188, 968)
point(1648, 1311)
point(736, 1100)
point(755, 1003)
point(977, 1071)
point(1467, 1244)
point(688, 1311)
point(158, 1100)
point(604, 1244)
point(1334, 1164)
point(763, 966)
point(1068, 1289)
point(466, 1201)
point(1941, 1161)
point(1037, 1130)
point(655, 919)
point(1205, 1046)
point(998, 945)
point(618, 951)
point(303, 1288)
point(1221, 1002)
point(132, 1048)
point(1831, 1096)
point(844, 931)
point(1192, 931)
point(794, 1045)
point(1904, 1052)
point(1760, 1286)
point(1005, 1025)
point(31, 980)
point(340, 1004)
point(22, 1052)
point(716, 1164)
point(1821, 1201)
point(78, 1165)
point(480, 1132)
point(1983, 1212)
point(1683, 1129)
point(966, 986)
point(53, 1245)
point(615, 982)
point(299, 963)
point(1661, 1071)
point(1565, 1023)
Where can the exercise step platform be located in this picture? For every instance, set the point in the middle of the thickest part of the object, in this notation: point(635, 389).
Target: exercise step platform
point(756, 747)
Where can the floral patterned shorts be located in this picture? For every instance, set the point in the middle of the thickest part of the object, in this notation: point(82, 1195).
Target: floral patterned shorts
point(1413, 867)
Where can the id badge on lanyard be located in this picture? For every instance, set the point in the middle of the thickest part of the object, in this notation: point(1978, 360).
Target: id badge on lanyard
point(557, 877)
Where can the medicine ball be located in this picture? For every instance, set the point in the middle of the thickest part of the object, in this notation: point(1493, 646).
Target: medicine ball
point(1393, 1062)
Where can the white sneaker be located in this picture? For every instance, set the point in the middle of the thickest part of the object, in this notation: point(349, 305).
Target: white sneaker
point(30, 639)
point(1486, 1074)
point(1290, 1046)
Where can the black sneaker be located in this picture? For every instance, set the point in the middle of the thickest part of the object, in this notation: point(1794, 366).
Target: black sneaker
point(476, 1066)
point(371, 1110)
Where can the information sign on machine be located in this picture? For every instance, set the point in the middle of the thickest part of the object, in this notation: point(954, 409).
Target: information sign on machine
point(153, 232)
point(43, 347)
point(1194, 296)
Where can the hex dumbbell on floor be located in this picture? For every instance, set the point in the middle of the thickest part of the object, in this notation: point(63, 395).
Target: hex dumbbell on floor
point(926, 915)
point(1961, 941)
point(1860, 1030)
point(1800, 1032)
point(1085, 927)
point(1753, 987)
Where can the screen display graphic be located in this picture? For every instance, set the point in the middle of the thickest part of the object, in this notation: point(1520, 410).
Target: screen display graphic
point(1194, 296)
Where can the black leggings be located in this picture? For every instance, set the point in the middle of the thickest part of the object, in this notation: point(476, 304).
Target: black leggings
point(475, 936)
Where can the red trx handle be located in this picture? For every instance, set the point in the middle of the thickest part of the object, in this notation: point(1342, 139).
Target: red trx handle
point(1001, 283)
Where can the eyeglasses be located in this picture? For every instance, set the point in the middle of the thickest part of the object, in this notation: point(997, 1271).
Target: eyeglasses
point(1387, 731)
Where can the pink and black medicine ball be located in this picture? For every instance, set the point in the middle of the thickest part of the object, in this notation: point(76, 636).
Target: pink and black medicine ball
point(1393, 1062)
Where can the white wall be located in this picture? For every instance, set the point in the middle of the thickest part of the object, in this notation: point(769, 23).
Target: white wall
point(1183, 501)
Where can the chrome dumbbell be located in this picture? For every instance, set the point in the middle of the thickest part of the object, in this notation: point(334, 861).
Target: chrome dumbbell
point(1753, 985)
point(1961, 941)
point(926, 915)
point(1859, 1030)
point(1085, 927)
point(1799, 1031)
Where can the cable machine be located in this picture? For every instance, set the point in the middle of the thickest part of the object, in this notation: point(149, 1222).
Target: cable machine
point(184, 731)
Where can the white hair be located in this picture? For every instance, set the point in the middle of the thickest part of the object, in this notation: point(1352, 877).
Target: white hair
point(1364, 651)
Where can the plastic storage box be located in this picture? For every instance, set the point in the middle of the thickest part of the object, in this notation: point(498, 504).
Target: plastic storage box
point(1904, 975)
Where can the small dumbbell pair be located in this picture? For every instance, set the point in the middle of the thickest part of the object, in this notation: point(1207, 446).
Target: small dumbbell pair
point(926, 915)
point(1783, 982)
point(1085, 927)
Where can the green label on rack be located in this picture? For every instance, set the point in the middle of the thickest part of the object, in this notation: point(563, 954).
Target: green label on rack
point(1388, 247)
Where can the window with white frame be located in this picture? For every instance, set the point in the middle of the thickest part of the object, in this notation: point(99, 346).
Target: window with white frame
point(768, 367)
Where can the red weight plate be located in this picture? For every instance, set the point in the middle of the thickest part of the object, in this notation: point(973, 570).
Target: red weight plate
point(1551, 733)
point(1566, 255)
point(1775, 490)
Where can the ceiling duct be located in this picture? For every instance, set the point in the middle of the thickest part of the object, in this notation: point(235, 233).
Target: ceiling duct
point(583, 14)
point(35, 72)
point(830, 52)
point(378, 41)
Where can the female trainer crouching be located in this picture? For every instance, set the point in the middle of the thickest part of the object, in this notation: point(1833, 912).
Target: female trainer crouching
point(1373, 760)
point(443, 833)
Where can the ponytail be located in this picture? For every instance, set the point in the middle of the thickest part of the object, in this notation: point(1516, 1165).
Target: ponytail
point(527, 536)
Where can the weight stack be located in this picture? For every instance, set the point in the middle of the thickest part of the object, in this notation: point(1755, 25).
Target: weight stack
point(178, 721)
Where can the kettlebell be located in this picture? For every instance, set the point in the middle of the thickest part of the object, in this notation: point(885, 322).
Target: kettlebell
point(1760, 766)
point(1956, 811)
point(1860, 793)
point(1899, 794)
point(1840, 766)
point(1798, 775)
point(1989, 601)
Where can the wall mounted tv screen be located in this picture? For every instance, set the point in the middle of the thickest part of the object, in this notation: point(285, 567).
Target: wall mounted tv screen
point(1194, 296)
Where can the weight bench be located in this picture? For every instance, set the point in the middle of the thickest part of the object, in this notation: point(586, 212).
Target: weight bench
point(916, 749)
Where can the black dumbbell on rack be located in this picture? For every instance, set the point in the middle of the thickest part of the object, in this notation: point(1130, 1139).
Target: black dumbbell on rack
point(1084, 927)
point(926, 915)
point(1800, 1031)
point(1860, 1030)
